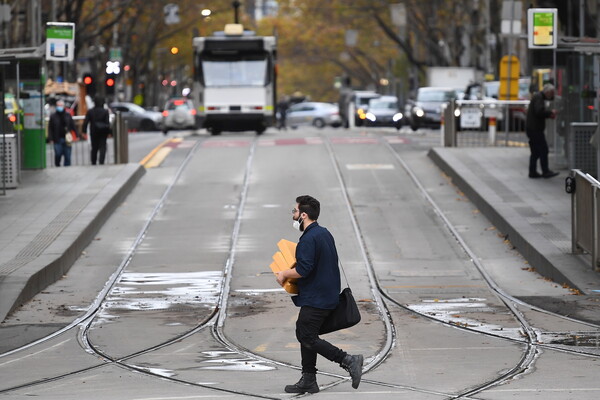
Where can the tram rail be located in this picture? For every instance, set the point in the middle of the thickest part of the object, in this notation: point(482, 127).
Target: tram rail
point(384, 301)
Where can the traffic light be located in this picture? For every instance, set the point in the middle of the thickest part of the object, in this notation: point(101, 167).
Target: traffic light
point(174, 50)
point(90, 85)
point(109, 84)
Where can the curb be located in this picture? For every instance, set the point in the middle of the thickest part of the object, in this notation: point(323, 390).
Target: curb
point(57, 259)
point(528, 242)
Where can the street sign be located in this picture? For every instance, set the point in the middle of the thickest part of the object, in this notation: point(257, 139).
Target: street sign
point(511, 17)
point(5, 13)
point(542, 28)
point(351, 37)
point(115, 54)
point(171, 14)
point(60, 41)
point(509, 78)
point(470, 117)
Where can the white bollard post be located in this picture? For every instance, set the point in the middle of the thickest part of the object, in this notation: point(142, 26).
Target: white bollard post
point(492, 131)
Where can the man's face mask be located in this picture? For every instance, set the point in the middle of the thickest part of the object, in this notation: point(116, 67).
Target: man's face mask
point(60, 108)
point(297, 224)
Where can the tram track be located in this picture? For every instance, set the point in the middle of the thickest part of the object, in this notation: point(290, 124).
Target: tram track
point(214, 321)
point(216, 318)
point(532, 348)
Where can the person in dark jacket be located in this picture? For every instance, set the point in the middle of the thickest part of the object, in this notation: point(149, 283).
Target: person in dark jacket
point(318, 280)
point(99, 122)
point(535, 127)
point(59, 125)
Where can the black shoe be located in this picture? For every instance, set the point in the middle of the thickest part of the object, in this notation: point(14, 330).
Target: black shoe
point(534, 175)
point(549, 174)
point(353, 364)
point(306, 384)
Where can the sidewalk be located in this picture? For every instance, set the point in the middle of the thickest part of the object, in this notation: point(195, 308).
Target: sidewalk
point(50, 219)
point(534, 213)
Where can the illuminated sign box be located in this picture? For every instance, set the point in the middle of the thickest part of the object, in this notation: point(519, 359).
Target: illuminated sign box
point(542, 30)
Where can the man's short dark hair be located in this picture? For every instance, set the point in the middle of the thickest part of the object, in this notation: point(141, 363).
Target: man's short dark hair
point(98, 101)
point(309, 205)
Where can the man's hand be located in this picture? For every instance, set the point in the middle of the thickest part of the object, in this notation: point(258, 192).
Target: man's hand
point(280, 278)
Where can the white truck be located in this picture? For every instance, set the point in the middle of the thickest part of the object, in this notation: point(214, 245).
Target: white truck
point(456, 77)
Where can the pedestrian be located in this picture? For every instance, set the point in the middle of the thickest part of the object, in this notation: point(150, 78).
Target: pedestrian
point(60, 124)
point(282, 108)
point(318, 280)
point(535, 127)
point(99, 121)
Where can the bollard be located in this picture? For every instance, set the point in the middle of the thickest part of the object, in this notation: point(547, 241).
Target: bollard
point(448, 126)
point(492, 131)
point(121, 140)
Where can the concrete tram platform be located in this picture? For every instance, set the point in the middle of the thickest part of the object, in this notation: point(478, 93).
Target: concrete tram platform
point(50, 219)
point(534, 214)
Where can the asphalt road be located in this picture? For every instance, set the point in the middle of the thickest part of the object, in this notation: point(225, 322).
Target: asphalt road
point(192, 310)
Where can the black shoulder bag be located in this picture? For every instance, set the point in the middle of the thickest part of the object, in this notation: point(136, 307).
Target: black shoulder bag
point(345, 315)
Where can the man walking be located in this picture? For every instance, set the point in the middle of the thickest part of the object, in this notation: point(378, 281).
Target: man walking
point(99, 121)
point(318, 280)
point(60, 124)
point(535, 127)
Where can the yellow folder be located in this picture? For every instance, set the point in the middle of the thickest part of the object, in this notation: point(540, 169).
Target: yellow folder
point(284, 259)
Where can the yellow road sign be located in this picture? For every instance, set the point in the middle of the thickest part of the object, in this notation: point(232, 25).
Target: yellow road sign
point(509, 78)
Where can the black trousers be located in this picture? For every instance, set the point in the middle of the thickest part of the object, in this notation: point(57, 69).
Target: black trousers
point(98, 145)
point(539, 150)
point(308, 324)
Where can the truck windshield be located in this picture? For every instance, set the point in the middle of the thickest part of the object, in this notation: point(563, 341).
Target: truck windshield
point(235, 73)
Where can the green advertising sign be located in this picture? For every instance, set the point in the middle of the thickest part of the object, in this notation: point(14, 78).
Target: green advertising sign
point(59, 32)
point(60, 41)
point(541, 29)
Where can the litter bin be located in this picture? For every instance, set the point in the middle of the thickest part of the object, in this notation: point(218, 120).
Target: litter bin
point(9, 174)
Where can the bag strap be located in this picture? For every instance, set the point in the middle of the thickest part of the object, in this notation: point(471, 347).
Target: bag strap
point(344, 272)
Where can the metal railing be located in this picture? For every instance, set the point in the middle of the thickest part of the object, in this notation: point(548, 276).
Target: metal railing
point(489, 122)
point(585, 207)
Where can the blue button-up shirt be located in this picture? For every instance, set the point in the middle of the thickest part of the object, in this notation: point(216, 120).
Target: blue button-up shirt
point(317, 263)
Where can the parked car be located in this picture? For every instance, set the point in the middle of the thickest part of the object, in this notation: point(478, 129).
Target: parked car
point(426, 109)
point(313, 113)
point(361, 99)
point(384, 111)
point(138, 118)
point(179, 113)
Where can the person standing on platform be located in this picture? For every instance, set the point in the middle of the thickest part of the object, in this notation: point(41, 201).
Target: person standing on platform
point(59, 125)
point(535, 127)
point(318, 279)
point(99, 121)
